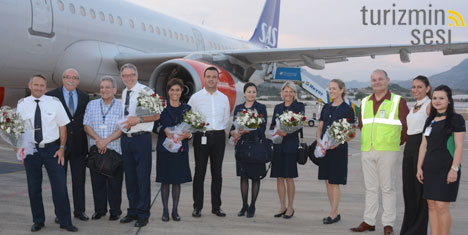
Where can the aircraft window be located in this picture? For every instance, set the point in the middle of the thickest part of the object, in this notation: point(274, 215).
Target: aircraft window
point(170, 33)
point(186, 38)
point(191, 39)
point(60, 5)
point(176, 36)
point(164, 32)
point(92, 14)
point(158, 31)
point(151, 29)
point(111, 19)
point(72, 8)
point(132, 25)
point(181, 36)
point(143, 26)
point(101, 15)
point(119, 20)
point(82, 11)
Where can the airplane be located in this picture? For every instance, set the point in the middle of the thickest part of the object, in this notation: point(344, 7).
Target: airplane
point(97, 37)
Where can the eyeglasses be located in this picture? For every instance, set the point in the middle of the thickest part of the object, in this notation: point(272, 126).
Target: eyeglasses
point(71, 77)
point(128, 75)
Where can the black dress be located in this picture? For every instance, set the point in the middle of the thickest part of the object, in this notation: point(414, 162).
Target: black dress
point(172, 168)
point(438, 161)
point(252, 170)
point(334, 166)
point(284, 163)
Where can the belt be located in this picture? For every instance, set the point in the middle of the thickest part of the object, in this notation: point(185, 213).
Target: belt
point(130, 135)
point(41, 146)
point(213, 132)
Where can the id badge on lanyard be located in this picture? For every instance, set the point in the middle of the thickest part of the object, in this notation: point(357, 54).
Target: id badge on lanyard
point(428, 130)
point(204, 140)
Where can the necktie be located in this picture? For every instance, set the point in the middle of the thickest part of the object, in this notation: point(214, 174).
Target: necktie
point(37, 124)
point(127, 102)
point(71, 104)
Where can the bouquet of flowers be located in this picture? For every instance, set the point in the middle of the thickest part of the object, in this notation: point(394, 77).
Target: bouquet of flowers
point(192, 122)
point(14, 132)
point(288, 122)
point(149, 103)
point(247, 119)
point(337, 133)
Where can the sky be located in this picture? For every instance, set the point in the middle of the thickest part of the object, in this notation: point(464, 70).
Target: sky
point(328, 23)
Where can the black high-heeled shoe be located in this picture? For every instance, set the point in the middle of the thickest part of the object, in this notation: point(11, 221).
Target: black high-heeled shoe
point(243, 210)
point(288, 216)
point(175, 216)
point(165, 215)
point(281, 214)
point(251, 211)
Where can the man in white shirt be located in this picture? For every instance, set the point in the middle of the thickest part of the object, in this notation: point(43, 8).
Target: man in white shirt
point(210, 144)
point(136, 149)
point(49, 119)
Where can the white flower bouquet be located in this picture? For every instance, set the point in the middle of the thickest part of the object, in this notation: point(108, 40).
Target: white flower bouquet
point(288, 122)
point(337, 133)
point(247, 119)
point(149, 103)
point(16, 132)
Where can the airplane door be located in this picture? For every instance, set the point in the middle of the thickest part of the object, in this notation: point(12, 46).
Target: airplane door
point(198, 40)
point(42, 19)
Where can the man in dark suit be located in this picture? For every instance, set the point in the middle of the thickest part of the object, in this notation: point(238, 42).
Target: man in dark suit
point(74, 102)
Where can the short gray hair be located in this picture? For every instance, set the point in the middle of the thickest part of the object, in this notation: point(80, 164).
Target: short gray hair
point(381, 71)
point(71, 69)
point(38, 76)
point(109, 79)
point(291, 85)
point(129, 66)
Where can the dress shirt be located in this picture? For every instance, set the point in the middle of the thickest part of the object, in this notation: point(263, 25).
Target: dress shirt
point(53, 116)
point(147, 126)
point(214, 107)
point(416, 120)
point(66, 95)
point(104, 127)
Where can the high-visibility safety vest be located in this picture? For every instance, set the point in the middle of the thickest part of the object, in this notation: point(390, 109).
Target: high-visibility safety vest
point(383, 130)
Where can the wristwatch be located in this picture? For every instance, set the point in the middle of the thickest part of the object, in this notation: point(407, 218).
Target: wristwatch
point(62, 147)
point(142, 120)
point(456, 169)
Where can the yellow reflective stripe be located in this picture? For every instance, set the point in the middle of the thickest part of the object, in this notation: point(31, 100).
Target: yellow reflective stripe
point(395, 100)
point(363, 106)
point(382, 121)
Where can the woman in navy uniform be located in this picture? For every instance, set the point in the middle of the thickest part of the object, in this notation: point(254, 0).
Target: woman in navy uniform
point(245, 170)
point(172, 168)
point(284, 164)
point(333, 167)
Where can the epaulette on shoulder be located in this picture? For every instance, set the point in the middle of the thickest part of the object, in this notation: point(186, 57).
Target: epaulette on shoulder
point(21, 100)
point(55, 98)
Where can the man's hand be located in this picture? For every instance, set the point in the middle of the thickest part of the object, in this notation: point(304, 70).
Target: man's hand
point(102, 145)
point(131, 121)
point(243, 132)
point(61, 156)
point(169, 134)
point(184, 135)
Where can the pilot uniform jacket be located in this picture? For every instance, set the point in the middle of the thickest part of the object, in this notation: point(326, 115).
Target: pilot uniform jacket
point(77, 141)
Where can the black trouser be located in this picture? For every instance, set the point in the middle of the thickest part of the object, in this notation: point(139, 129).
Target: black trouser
point(107, 189)
point(416, 215)
point(78, 174)
point(214, 150)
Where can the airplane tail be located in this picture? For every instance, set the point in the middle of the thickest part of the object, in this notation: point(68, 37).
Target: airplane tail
point(266, 32)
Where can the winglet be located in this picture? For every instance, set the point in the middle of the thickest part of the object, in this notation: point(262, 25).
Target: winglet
point(266, 32)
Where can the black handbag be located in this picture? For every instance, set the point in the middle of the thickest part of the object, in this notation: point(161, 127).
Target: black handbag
point(311, 153)
point(105, 164)
point(302, 151)
point(254, 150)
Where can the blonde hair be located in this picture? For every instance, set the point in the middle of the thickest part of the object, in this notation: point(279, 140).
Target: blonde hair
point(291, 85)
point(341, 85)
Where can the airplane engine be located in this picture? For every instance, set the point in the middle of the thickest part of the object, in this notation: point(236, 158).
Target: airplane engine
point(192, 73)
point(10, 96)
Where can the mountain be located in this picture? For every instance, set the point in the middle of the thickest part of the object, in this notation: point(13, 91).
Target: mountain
point(456, 78)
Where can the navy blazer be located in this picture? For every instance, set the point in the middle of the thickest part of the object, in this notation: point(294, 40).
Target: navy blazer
point(261, 109)
point(290, 142)
point(77, 141)
point(170, 119)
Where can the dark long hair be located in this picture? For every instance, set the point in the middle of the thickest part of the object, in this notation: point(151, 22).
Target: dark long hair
point(450, 109)
point(424, 80)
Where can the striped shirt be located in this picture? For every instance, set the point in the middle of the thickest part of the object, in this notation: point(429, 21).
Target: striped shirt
point(104, 120)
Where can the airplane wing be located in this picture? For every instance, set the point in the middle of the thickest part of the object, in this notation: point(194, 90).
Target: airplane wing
point(313, 57)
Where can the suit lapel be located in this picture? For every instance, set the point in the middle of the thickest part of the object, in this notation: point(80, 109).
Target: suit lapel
point(62, 99)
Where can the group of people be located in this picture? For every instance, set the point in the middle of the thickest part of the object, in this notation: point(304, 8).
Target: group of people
point(64, 119)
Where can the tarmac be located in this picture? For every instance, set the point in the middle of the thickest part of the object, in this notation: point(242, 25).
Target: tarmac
point(311, 203)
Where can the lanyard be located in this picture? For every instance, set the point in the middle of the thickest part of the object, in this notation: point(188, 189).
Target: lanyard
point(107, 112)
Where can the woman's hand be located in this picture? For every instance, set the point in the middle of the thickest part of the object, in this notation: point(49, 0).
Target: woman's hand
point(169, 134)
point(184, 135)
point(282, 133)
point(235, 134)
point(243, 132)
point(452, 176)
point(334, 146)
point(419, 175)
